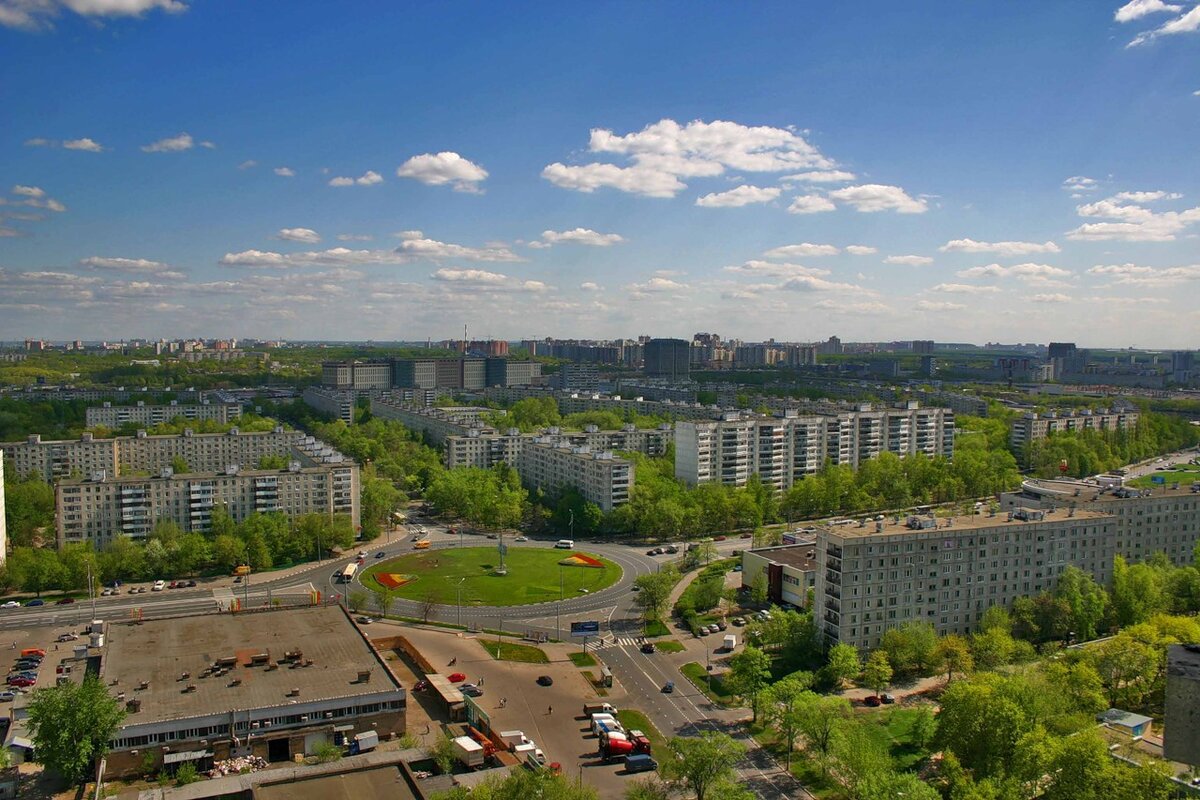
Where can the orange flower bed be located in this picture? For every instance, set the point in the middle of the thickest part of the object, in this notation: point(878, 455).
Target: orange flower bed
point(580, 560)
point(392, 580)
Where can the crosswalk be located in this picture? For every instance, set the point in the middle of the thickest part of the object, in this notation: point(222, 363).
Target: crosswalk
point(614, 641)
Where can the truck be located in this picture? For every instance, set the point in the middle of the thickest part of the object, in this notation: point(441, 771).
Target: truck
point(611, 749)
point(530, 751)
point(598, 708)
point(364, 742)
point(468, 751)
point(729, 642)
point(604, 719)
point(242, 570)
point(605, 727)
point(512, 739)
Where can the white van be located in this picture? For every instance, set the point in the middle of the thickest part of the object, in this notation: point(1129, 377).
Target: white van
point(565, 544)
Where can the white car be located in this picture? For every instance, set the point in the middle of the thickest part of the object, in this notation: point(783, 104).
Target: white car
point(521, 539)
point(158, 586)
point(11, 604)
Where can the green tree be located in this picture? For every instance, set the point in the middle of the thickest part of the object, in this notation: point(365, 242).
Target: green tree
point(843, 663)
point(924, 727)
point(699, 766)
point(35, 569)
point(648, 789)
point(1127, 668)
point(379, 499)
point(819, 719)
point(654, 590)
point(1087, 599)
point(443, 754)
point(71, 725)
point(357, 600)
point(749, 674)
point(954, 654)
point(859, 759)
point(384, 600)
point(228, 551)
point(911, 648)
point(758, 589)
point(179, 465)
point(782, 709)
point(523, 784)
point(877, 673)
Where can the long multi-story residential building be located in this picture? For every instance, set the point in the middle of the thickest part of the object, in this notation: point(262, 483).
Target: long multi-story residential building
point(340, 403)
point(435, 424)
point(783, 450)
point(629, 402)
point(464, 373)
point(600, 477)
point(879, 574)
point(1031, 427)
point(485, 449)
point(111, 416)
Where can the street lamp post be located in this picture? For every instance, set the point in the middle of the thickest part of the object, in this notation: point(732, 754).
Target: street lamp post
point(458, 596)
point(558, 610)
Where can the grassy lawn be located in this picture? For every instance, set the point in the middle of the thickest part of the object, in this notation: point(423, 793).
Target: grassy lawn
point(669, 646)
point(511, 651)
point(656, 627)
point(634, 720)
point(533, 576)
point(582, 659)
point(1182, 473)
point(893, 729)
point(695, 673)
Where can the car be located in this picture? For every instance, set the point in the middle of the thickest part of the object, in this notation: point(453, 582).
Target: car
point(521, 539)
point(721, 625)
point(37, 601)
point(191, 584)
point(635, 588)
point(7, 697)
point(668, 687)
point(24, 672)
point(237, 579)
point(68, 637)
point(672, 549)
point(108, 592)
point(713, 629)
point(22, 682)
point(470, 690)
point(718, 538)
point(420, 686)
point(11, 604)
point(141, 590)
point(738, 621)
point(64, 601)
point(492, 536)
point(648, 647)
point(746, 536)
point(545, 680)
point(380, 554)
point(362, 554)
point(872, 701)
point(364, 620)
point(887, 698)
point(159, 586)
point(28, 666)
point(653, 551)
point(457, 677)
point(173, 585)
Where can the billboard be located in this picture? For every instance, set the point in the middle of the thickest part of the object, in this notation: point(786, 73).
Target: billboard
point(585, 628)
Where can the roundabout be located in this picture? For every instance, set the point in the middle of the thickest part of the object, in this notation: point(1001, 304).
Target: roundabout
point(471, 576)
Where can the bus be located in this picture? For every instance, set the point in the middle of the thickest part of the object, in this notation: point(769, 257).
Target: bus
point(347, 573)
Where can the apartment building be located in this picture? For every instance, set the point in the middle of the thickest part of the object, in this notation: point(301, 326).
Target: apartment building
point(485, 449)
point(667, 358)
point(435, 424)
point(600, 477)
point(336, 403)
point(140, 413)
point(465, 373)
point(630, 402)
point(878, 574)
point(1031, 427)
point(3, 524)
point(782, 450)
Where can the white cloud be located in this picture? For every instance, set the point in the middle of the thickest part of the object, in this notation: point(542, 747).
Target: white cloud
point(29, 191)
point(39, 141)
point(740, 196)
point(368, 178)
point(938, 305)
point(305, 235)
point(1188, 23)
point(1000, 248)
point(353, 237)
point(433, 249)
point(477, 276)
point(590, 286)
point(810, 204)
point(585, 236)
point(335, 257)
point(208, 145)
point(1120, 269)
point(248, 164)
point(909, 261)
point(1028, 271)
point(136, 266)
point(861, 250)
point(85, 144)
point(1080, 183)
point(1135, 223)
point(444, 168)
point(775, 269)
point(285, 172)
point(803, 250)
point(665, 151)
point(1136, 9)
point(963, 288)
point(811, 283)
point(36, 14)
point(634, 180)
point(1145, 197)
point(409, 234)
point(1135, 275)
point(849, 307)
point(1050, 298)
point(172, 144)
point(821, 176)
point(656, 285)
point(873, 197)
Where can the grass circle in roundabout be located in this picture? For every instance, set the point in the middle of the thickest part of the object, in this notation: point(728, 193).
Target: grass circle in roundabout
point(533, 575)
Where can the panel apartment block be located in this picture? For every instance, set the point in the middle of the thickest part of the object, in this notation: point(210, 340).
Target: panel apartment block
point(111, 416)
point(485, 449)
point(601, 477)
point(1031, 427)
point(947, 572)
point(783, 450)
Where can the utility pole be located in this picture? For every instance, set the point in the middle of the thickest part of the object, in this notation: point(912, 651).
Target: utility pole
point(558, 610)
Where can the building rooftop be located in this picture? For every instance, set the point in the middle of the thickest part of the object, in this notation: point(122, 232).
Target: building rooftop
point(1126, 719)
point(157, 653)
point(378, 783)
point(1069, 490)
point(802, 556)
point(899, 525)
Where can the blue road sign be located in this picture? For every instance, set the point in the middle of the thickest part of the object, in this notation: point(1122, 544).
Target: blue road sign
point(585, 628)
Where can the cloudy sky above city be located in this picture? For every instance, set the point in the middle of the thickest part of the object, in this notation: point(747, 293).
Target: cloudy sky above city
point(963, 172)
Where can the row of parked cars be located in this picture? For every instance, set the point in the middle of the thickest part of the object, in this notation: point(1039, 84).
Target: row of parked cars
point(25, 671)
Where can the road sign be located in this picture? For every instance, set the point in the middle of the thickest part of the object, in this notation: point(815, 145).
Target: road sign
point(585, 628)
point(1158, 479)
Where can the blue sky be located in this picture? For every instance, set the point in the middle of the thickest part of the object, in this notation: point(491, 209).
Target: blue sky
point(1017, 171)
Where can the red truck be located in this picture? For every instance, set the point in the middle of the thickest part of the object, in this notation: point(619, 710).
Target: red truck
point(614, 746)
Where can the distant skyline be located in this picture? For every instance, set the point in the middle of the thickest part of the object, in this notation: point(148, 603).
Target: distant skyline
point(1012, 172)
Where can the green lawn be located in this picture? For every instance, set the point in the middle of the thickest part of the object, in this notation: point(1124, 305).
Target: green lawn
point(892, 728)
point(533, 576)
point(1182, 473)
point(656, 627)
point(511, 651)
point(582, 659)
point(635, 720)
point(669, 646)
point(695, 673)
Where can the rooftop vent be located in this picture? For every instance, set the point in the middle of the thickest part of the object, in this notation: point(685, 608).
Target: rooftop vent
point(364, 676)
point(133, 706)
point(295, 692)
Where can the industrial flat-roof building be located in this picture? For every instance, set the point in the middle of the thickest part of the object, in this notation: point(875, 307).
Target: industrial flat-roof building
point(790, 570)
point(274, 684)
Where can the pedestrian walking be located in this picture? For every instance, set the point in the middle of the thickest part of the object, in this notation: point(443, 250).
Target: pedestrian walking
point(481, 680)
point(549, 711)
point(503, 702)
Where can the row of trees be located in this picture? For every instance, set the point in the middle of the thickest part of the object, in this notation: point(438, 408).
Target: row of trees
point(1090, 452)
point(262, 541)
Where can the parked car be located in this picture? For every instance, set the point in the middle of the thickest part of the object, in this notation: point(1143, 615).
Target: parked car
point(420, 686)
point(872, 701)
point(721, 625)
point(159, 586)
point(141, 590)
point(653, 551)
point(364, 620)
point(521, 539)
point(37, 601)
point(11, 604)
point(457, 677)
point(746, 536)
point(545, 680)
point(64, 601)
point(7, 697)
point(887, 698)
point(738, 621)
point(68, 637)
point(492, 536)
point(191, 584)
point(471, 690)
point(718, 538)
point(22, 682)
point(173, 584)
point(108, 592)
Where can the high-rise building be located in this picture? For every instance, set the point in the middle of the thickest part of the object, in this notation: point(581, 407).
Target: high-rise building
point(667, 358)
point(923, 347)
point(600, 477)
point(1182, 362)
point(1181, 723)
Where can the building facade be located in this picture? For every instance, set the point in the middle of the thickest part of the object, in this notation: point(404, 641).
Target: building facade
point(667, 358)
point(600, 477)
point(790, 571)
point(111, 416)
point(1032, 427)
point(3, 523)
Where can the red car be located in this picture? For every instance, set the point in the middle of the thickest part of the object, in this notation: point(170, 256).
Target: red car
point(747, 536)
point(718, 538)
point(420, 686)
point(457, 677)
point(872, 701)
point(22, 682)
point(66, 601)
